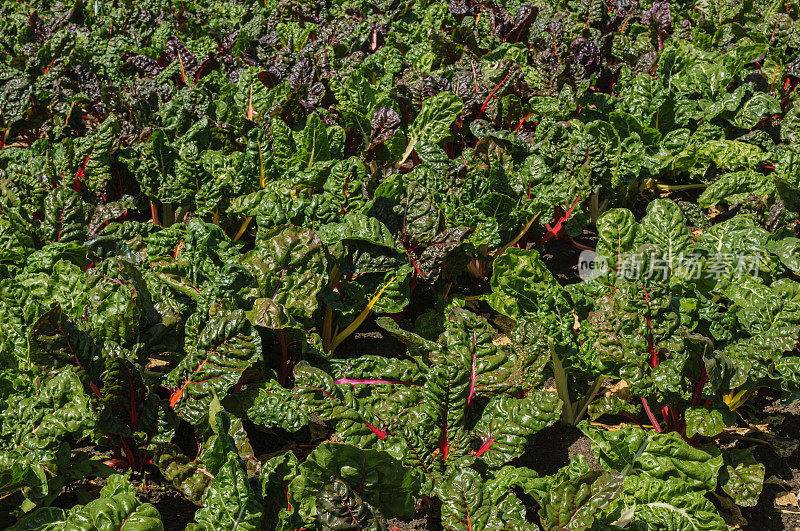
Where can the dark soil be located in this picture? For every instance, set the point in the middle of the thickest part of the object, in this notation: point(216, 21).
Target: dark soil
point(418, 524)
point(561, 256)
point(370, 339)
point(553, 447)
point(176, 511)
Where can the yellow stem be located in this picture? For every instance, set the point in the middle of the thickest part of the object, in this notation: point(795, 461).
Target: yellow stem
point(593, 390)
point(261, 180)
point(216, 217)
point(242, 228)
point(519, 236)
point(594, 207)
point(344, 334)
point(562, 387)
point(736, 399)
point(679, 187)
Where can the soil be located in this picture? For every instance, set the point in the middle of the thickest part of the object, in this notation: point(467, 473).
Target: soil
point(553, 447)
point(370, 339)
point(561, 256)
point(176, 511)
point(418, 524)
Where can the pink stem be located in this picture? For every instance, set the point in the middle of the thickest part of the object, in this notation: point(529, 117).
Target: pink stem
point(650, 415)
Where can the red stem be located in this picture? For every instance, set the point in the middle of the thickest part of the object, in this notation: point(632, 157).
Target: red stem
point(698, 386)
point(117, 463)
point(284, 370)
point(650, 415)
point(486, 101)
point(484, 447)
point(654, 361)
point(129, 455)
point(154, 213)
point(377, 431)
point(633, 419)
point(680, 427)
point(557, 228)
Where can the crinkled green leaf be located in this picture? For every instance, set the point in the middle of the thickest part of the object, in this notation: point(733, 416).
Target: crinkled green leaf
point(659, 455)
point(742, 477)
point(269, 404)
point(375, 476)
point(466, 502)
point(506, 425)
point(230, 501)
point(651, 503)
point(117, 508)
point(65, 216)
point(432, 124)
point(217, 359)
point(708, 422)
point(575, 496)
point(339, 507)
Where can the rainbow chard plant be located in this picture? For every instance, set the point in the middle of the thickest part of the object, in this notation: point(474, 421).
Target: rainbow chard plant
point(41, 426)
point(311, 265)
point(369, 273)
point(93, 336)
point(694, 371)
point(462, 400)
point(650, 318)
